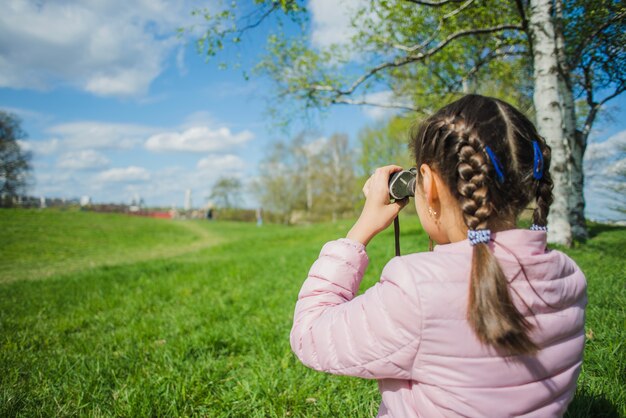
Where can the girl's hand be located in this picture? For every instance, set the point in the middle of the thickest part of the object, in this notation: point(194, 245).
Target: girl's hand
point(378, 212)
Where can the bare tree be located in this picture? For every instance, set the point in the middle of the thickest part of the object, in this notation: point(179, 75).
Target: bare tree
point(226, 192)
point(281, 185)
point(337, 180)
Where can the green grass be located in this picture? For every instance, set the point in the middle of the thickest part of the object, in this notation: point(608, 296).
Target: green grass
point(166, 318)
point(37, 244)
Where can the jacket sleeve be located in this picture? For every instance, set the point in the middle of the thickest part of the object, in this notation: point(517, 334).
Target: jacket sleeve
point(374, 335)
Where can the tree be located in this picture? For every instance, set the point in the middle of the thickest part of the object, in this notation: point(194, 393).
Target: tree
point(226, 191)
point(428, 52)
point(311, 178)
point(281, 185)
point(384, 144)
point(549, 105)
point(337, 181)
point(14, 162)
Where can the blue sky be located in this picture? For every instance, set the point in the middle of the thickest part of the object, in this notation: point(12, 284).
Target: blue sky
point(115, 104)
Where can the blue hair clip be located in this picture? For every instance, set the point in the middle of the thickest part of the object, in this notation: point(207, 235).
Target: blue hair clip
point(535, 227)
point(496, 164)
point(478, 236)
point(537, 161)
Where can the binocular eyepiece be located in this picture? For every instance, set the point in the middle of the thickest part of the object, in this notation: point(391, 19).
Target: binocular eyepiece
point(402, 184)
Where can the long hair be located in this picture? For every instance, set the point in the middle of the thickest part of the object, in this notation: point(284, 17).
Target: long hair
point(454, 142)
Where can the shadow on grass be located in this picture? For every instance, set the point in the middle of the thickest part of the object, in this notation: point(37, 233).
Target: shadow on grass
point(585, 405)
point(596, 229)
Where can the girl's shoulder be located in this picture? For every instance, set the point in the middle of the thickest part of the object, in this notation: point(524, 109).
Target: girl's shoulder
point(430, 266)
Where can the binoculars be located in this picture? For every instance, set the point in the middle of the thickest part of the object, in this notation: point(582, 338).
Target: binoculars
point(402, 184)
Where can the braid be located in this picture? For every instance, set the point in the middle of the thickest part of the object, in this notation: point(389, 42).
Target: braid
point(490, 312)
point(473, 171)
point(461, 142)
point(543, 194)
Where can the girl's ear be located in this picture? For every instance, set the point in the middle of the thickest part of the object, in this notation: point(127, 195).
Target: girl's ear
point(429, 185)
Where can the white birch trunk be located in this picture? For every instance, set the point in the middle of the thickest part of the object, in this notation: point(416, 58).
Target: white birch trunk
point(550, 121)
point(576, 201)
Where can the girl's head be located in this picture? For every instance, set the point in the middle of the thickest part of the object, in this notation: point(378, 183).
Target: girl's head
point(482, 155)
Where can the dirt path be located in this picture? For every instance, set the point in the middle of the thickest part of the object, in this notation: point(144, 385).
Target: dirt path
point(205, 239)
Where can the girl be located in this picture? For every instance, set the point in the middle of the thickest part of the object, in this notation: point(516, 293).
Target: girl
point(490, 324)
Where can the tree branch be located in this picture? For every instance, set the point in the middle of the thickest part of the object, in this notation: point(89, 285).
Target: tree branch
point(588, 86)
point(496, 53)
point(241, 31)
point(415, 58)
point(522, 14)
point(364, 102)
point(423, 44)
point(457, 10)
point(573, 63)
point(433, 3)
point(593, 112)
point(619, 90)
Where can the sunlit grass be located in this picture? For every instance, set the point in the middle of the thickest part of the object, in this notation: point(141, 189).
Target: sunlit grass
point(37, 244)
point(205, 331)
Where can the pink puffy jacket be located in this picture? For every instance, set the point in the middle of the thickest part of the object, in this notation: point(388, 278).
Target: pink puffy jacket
point(410, 331)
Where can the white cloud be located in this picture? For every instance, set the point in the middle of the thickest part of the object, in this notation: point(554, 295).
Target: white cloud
point(221, 163)
point(197, 139)
point(82, 160)
point(32, 115)
point(604, 166)
point(618, 168)
point(199, 118)
point(316, 146)
point(613, 145)
point(84, 135)
point(46, 147)
point(168, 185)
point(180, 61)
point(124, 175)
point(332, 21)
point(106, 47)
point(76, 159)
point(382, 99)
point(56, 183)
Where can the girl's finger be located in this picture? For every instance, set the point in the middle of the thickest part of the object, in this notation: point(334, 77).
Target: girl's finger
point(366, 187)
point(383, 174)
point(402, 203)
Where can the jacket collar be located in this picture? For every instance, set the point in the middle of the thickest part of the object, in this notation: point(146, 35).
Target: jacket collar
point(522, 242)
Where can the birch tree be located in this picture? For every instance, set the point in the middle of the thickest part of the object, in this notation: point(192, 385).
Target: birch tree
point(336, 176)
point(428, 52)
point(281, 185)
point(549, 107)
point(315, 177)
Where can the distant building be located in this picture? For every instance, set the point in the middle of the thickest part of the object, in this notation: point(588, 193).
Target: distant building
point(188, 199)
point(85, 201)
point(136, 204)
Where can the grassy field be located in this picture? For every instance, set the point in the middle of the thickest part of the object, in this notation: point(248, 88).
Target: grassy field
point(38, 244)
point(112, 315)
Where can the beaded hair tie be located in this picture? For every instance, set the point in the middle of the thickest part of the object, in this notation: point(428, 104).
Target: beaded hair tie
point(478, 236)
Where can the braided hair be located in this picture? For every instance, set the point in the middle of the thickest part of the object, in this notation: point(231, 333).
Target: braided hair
point(465, 142)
